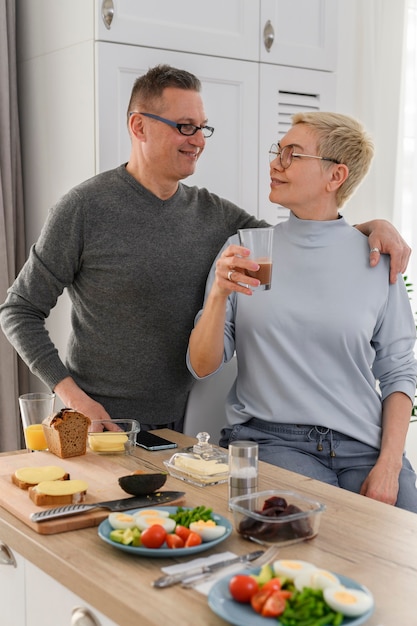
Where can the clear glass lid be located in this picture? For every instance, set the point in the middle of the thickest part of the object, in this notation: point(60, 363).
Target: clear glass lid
point(201, 463)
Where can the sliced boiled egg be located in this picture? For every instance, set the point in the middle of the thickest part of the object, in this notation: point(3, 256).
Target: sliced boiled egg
point(208, 530)
point(121, 521)
point(145, 519)
point(315, 578)
point(349, 602)
point(146, 512)
point(290, 569)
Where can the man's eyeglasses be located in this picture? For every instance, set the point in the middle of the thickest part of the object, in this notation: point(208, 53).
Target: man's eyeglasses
point(185, 129)
point(287, 154)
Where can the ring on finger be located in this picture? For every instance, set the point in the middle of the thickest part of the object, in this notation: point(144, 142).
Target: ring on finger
point(229, 275)
point(376, 250)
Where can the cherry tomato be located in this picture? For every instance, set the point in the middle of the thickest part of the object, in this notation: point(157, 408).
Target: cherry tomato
point(285, 594)
point(174, 541)
point(258, 600)
point(269, 603)
point(243, 587)
point(272, 585)
point(192, 540)
point(154, 536)
point(274, 605)
point(182, 531)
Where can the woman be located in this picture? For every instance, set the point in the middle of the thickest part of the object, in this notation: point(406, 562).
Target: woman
point(326, 368)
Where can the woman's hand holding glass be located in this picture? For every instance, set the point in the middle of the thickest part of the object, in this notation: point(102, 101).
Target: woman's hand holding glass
point(231, 271)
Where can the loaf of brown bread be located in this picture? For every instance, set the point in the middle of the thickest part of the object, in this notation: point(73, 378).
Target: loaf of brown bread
point(66, 433)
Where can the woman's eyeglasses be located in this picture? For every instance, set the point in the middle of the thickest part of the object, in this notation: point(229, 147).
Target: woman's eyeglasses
point(287, 154)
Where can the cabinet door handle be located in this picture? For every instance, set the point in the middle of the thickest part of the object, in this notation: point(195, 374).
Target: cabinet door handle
point(81, 616)
point(6, 555)
point(107, 12)
point(269, 35)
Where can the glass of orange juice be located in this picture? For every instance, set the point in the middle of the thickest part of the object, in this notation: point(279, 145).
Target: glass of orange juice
point(34, 408)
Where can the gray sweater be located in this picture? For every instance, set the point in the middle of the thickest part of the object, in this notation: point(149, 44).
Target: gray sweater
point(135, 268)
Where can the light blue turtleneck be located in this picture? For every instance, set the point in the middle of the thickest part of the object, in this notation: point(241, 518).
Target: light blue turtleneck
point(330, 333)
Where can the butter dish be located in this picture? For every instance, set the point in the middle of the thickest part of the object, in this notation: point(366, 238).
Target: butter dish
point(202, 464)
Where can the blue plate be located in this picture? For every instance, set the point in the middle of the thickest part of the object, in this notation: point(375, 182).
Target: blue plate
point(221, 602)
point(104, 533)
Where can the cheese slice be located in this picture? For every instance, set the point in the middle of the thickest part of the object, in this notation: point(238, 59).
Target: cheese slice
point(107, 442)
point(60, 487)
point(35, 475)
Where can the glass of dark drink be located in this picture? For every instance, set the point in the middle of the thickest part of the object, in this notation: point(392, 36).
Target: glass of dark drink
point(259, 241)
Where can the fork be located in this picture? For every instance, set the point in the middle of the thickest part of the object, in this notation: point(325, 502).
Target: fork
point(268, 556)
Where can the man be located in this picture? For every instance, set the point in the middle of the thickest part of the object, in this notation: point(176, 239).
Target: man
point(133, 246)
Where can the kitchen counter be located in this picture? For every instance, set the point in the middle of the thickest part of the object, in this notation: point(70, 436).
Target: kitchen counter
point(373, 543)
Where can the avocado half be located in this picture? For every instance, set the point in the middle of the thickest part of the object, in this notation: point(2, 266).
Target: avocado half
point(142, 484)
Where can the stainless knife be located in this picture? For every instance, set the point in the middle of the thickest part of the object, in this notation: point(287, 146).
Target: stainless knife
point(173, 579)
point(140, 502)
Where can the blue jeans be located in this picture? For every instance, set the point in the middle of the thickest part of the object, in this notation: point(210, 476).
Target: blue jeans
point(320, 453)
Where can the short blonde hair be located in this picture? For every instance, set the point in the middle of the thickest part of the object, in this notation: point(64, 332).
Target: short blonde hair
point(342, 138)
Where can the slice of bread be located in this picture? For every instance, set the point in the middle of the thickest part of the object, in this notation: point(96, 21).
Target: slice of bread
point(66, 433)
point(57, 492)
point(26, 477)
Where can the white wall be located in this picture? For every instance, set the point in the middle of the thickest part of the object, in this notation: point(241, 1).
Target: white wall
point(411, 444)
point(370, 40)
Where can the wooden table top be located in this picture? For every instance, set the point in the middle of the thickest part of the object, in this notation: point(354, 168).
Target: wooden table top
point(370, 542)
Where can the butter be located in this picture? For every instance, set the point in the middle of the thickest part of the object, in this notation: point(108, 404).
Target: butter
point(107, 442)
point(201, 467)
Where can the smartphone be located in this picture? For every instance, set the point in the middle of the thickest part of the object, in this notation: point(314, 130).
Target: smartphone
point(149, 441)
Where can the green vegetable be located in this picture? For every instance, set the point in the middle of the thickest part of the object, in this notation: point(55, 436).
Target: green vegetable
point(184, 517)
point(117, 535)
point(126, 536)
point(136, 541)
point(308, 608)
point(266, 573)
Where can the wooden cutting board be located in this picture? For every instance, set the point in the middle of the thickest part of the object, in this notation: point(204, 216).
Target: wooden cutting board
point(100, 472)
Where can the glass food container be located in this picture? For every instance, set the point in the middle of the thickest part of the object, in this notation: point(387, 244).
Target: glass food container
point(114, 442)
point(276, 517)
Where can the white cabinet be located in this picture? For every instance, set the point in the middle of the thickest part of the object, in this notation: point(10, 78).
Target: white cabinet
point(219, 28)
point(12, 587)
point(283, 92)
point(302, 33)
point(48, 603)
point(29, 597)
